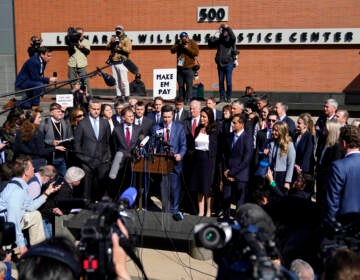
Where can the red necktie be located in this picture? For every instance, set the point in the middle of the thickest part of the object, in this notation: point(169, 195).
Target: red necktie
point(167, 134)
point(127, 136)
point(193, 127)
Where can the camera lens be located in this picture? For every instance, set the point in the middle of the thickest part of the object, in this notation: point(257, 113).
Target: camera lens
point(211, 238)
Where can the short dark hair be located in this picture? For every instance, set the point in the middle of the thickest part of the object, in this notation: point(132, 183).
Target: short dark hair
point(20, 165)
point(179, 99)
point(126, 109)
point(55, 106)
point(166, 108)
point(140, 103)
point(242, 118)
point(351, 135)
point(55, 258)
point(43, 50)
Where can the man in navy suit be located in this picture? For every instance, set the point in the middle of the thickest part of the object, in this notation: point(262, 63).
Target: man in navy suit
point(343, 190)
point(32, 75)
point(141, 120)
point(211, 103)
point(180, 114)
point(125, 137)
point(92, 147)
point(238, 152)
point(281, 108)
point(174, 135)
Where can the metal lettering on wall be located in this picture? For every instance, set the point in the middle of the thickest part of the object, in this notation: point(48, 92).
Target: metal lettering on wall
point(322, 36)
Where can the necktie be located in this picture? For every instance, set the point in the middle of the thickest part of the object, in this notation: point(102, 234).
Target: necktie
point(177, 118)
point(167, 134)
point(157, 118)
point(127, 136)
point(139, 122)
point(234, 140)
point(96, 128)
point(193, 127)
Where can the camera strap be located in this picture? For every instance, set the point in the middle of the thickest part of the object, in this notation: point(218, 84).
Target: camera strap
point(126, 245)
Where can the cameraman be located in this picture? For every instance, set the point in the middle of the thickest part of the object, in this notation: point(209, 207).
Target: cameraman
point(120, 46)
point(225, 59)
point(78, 49)
point(57, 259)
point(35, 43)
point(186, 51)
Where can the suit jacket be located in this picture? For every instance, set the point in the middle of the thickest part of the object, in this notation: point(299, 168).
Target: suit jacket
point(291, 125)
point(238, 158)
point(146, 125)
point(184, 115)
point(152, 116)
point(305, 152)
point(115, 121)
point(89, 150)
point(177, 142)
point(190, 140)
point(31, 70)
point(343, 190)
point(119, 139)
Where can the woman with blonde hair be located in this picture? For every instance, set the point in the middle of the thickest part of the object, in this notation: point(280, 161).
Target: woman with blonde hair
point(304, 146)
point(332, 151)
point(281, 154)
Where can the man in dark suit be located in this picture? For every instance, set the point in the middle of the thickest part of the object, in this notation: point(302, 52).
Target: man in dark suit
point(174, 135)
point(119, 105)
point(156, 114)
point(238, 152)
point(281, 108)
point(211, 103)
point(32, 75)
point(144, 122)
point(180, 114)
point(343, 190)
point(124, 139)
point(92, 147)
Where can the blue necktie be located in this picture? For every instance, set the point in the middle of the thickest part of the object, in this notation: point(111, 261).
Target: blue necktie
point(234, 140)
point(96, 128)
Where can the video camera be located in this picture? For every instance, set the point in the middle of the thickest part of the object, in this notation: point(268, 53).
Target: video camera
point(95, 244)
point(241, 253)
point(73, 37)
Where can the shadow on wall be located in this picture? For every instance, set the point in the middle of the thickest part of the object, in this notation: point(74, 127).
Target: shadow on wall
point(352, 92)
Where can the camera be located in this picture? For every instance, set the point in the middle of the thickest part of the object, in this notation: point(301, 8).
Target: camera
point(73, 37)
point(95, 244)
point(240, 252)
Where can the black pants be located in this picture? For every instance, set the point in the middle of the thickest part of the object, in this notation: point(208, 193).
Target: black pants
point(185, 82)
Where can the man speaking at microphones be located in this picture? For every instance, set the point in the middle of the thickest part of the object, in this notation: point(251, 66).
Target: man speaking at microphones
point(175, 138)
point(125, 137)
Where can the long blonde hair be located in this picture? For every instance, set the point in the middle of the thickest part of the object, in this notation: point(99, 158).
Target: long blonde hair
point(284, 138)
point(309, 122)
point(333, 130)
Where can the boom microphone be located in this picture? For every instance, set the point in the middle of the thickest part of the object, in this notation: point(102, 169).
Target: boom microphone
point(109, 80)
point(131, 66)
point(116, 164)
point(128, 197)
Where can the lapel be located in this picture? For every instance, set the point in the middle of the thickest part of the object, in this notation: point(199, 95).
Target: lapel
point(89, 124)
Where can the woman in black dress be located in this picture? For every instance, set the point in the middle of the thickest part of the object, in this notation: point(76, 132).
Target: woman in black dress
point(206, 135)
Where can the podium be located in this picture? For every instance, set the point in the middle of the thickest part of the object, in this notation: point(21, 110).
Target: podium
point(157, 164)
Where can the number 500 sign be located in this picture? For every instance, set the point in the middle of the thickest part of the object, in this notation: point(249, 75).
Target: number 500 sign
point(214, 13)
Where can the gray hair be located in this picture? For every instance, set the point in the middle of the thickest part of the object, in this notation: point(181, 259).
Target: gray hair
point(237, 102)
point(332, 102)
point(47, 170)
point(197, 103)
point(302, 269)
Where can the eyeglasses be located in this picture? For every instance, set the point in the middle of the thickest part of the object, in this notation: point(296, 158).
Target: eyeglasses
point(270, 120)
point(79, 116)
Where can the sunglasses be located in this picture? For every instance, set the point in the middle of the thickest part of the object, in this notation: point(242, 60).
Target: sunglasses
point(79, 116)
point(270, 120)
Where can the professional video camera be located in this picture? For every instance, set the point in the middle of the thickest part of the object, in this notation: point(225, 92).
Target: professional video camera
point(340, 233)
point(243, 249)
point(73, 37)
point(95, 244)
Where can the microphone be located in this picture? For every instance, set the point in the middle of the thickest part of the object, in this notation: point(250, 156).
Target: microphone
point(144, 141)
point(131, 66)
point(116, 164)
point(128, 197)
point(109, 80)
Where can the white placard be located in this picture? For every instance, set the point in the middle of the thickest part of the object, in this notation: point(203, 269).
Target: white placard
point(65, 100)
point(164, 83)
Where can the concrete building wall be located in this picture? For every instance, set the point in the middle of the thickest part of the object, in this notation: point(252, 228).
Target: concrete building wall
point(330, 68)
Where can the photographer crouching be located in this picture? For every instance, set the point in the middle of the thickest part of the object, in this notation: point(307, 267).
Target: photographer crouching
point(186, 52)
point(78, 49)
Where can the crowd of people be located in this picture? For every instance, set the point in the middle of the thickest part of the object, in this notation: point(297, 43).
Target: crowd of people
point(248, 151)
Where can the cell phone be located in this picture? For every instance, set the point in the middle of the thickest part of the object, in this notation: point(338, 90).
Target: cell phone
point(58, 181)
